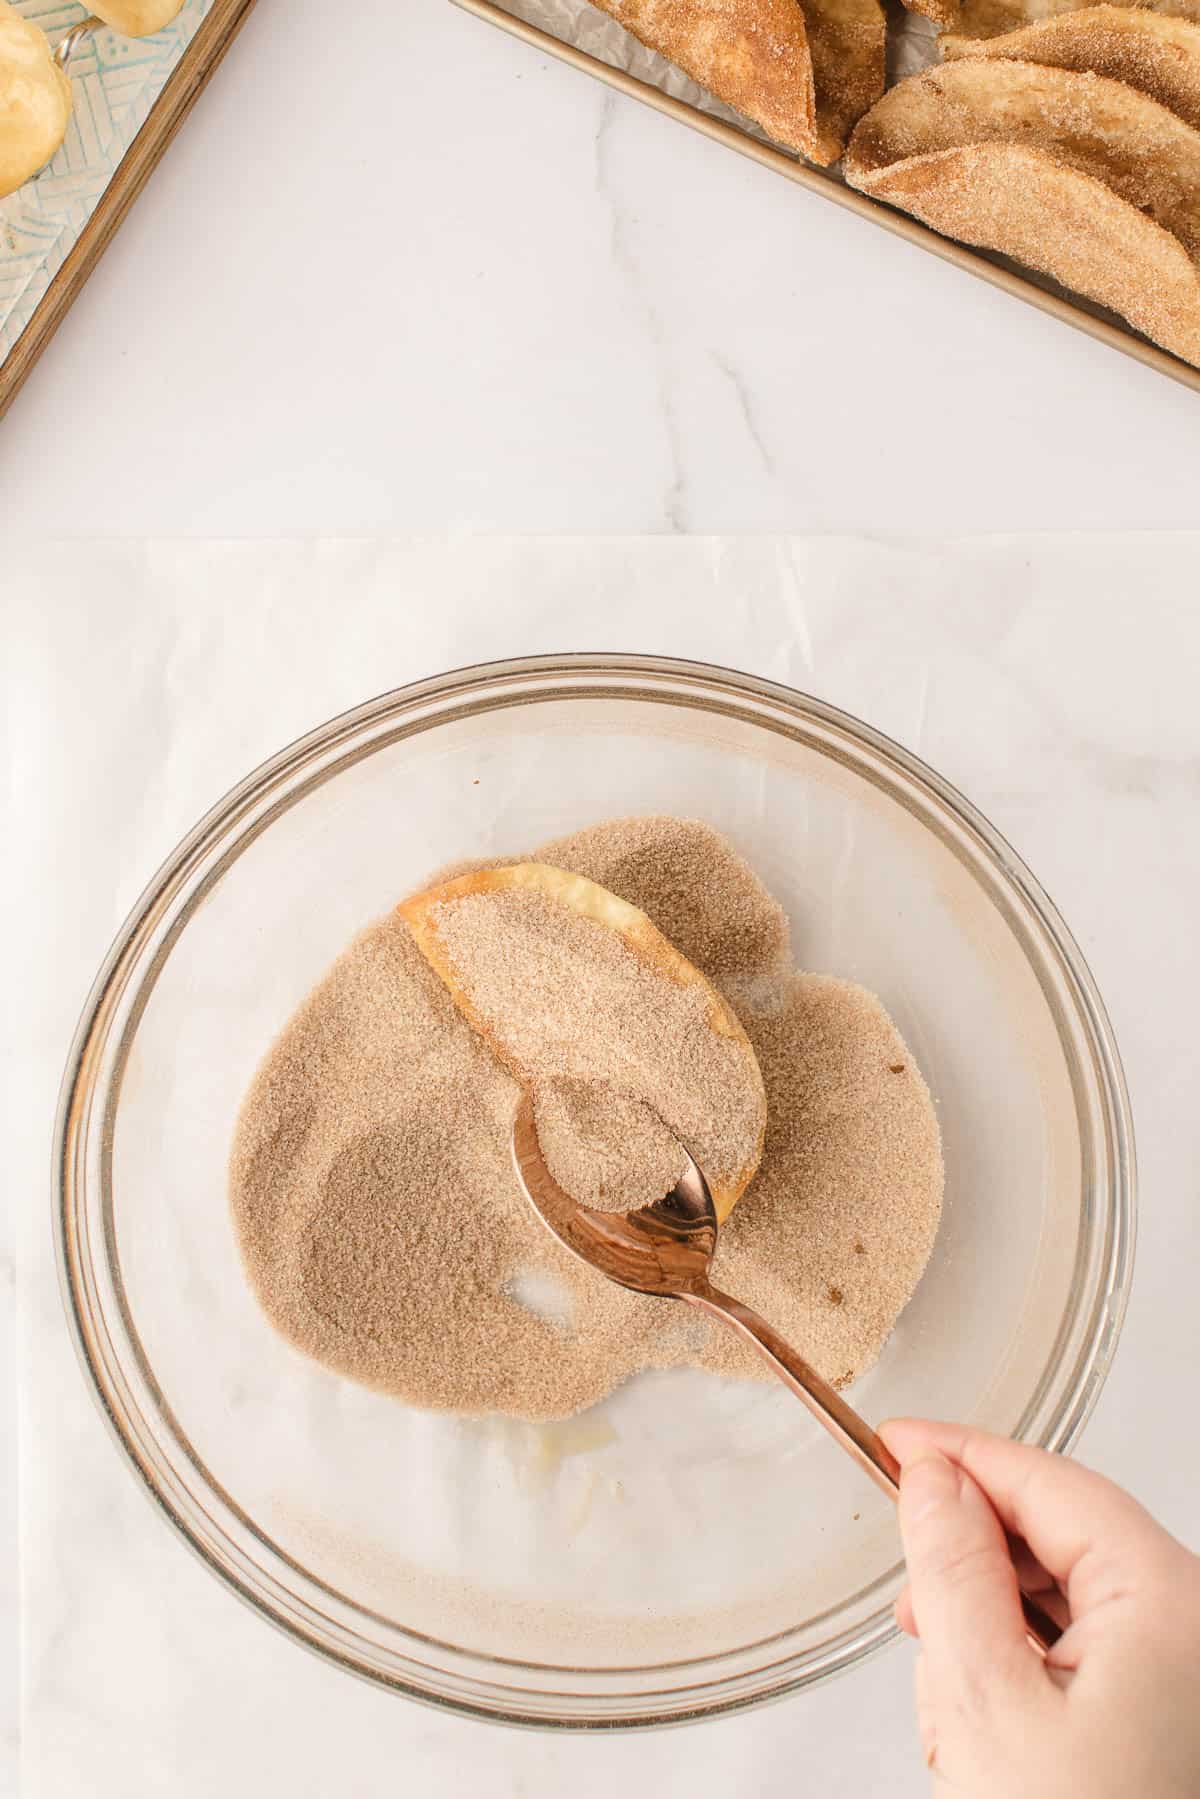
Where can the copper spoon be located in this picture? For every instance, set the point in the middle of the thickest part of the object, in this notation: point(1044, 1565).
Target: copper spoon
point(666, 1250)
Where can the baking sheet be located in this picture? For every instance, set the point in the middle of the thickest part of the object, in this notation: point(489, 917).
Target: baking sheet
point(593, 42)
point(115, 81)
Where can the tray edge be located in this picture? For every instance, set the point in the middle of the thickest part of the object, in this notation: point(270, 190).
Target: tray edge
point(898, 223)
point(182, 89)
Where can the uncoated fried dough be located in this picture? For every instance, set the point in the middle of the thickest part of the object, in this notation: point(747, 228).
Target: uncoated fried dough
point(1073, 174)
point(1158, 56)
point(989, 18)
point(35, 100)
point(804, 73)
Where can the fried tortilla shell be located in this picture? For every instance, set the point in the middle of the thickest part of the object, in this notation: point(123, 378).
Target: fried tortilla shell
point(1148, 51)
point(1072, 174)
point(805, 73)
point(944, 13)
point(752, 54)
point(847, 39)
point(989, 18)
point(1102, 128)
point(423, 913)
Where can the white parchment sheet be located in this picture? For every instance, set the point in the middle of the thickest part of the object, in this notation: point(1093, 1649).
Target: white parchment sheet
point(1052, 679)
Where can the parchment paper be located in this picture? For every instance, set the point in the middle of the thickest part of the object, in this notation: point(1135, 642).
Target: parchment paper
point(144, 679)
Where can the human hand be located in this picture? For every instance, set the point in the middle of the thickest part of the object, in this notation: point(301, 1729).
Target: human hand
point(1113, 1712)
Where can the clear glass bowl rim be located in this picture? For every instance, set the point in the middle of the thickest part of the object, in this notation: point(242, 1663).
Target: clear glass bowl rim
point(145, 939)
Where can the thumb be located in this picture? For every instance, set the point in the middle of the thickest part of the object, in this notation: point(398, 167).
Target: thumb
point(965, 1596)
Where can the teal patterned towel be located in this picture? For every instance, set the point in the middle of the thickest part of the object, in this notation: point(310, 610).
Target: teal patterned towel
point(116, 81)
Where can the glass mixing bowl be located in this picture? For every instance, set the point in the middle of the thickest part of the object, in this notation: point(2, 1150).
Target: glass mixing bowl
point(536, 1573)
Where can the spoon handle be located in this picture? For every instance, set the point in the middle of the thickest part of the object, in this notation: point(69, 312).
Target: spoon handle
point(841, 1420)
point(823, 1401)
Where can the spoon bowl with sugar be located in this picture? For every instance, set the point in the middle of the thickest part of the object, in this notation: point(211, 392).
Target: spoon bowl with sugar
point(665, 1250)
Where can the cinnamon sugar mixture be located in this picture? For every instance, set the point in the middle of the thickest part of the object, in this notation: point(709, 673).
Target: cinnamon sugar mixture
point(380, 1222)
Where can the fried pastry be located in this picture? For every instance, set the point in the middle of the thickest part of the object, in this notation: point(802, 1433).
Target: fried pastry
point(523, 1039)
point(1076, 175)
point(990, 18)
point(1159, 56)
point(804, 73)
point(946, 13)
point(847, 40)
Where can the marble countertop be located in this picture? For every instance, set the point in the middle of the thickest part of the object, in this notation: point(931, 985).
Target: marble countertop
point(145, 678)
point(401, 273)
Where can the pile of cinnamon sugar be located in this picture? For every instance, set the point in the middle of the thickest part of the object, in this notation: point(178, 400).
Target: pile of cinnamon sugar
point(381, 1224)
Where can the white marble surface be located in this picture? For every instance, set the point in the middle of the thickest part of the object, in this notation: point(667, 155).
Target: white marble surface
point(400, 273)
point(1053, 679)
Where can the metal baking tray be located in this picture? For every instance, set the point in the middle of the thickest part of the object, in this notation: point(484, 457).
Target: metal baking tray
point(133, 95)
point(1046, 296)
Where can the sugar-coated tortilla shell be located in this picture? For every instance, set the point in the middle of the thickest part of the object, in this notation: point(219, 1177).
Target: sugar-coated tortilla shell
point(1050, 216)
point(848, 40)
point(35, 100)
point(1137, 148)
point(1159, 56)
point(591, 901)
point(752, 54)
point(942, 13)
point(989, 18)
